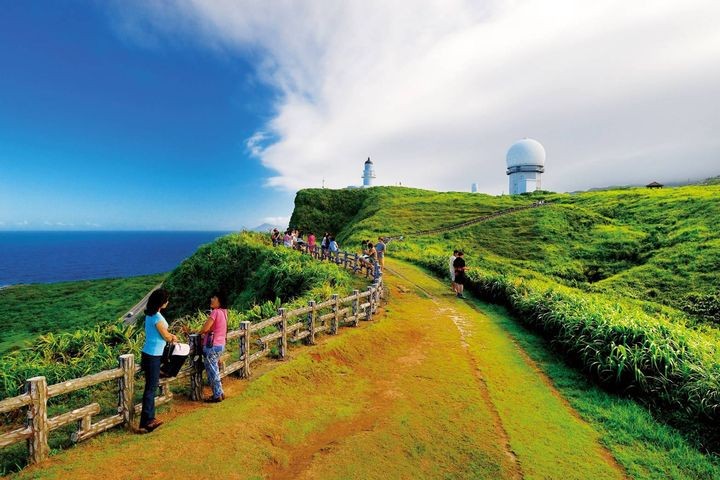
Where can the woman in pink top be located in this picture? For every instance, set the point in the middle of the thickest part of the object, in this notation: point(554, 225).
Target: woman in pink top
point(214, 331)
point(311, 242)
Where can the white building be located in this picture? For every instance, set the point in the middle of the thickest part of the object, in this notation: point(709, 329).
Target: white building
point(525, 164)
point(368, 174)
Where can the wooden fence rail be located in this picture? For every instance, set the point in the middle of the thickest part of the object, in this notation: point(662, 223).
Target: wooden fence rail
point(289, 325)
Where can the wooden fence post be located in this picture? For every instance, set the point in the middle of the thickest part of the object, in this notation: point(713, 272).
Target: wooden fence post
point(346, 259)
point(38, 448)
point(369, 312)
point(196, 381)
point(356, 307)
point(245, 349)
point(355, 263)
point(282, 341)
point(126, 387)
point(376, 300)
point(336, 319)
point(311, 323)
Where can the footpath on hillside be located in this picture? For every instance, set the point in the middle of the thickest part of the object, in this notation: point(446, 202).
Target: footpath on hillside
point(433, 388)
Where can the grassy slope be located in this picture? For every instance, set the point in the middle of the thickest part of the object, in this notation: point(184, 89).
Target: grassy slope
point(659, 245)
point(32, 310)
point(408, 396)
point(663, 241)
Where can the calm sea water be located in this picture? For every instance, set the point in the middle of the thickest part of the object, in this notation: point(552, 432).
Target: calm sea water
point(41, 257)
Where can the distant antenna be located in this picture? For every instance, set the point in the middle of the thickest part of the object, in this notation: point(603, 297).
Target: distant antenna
point(323, 182)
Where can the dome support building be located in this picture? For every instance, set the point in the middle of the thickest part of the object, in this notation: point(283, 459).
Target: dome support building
point(525, 165)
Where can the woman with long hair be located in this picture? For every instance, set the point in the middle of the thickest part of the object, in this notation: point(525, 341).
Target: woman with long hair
point(156, 335)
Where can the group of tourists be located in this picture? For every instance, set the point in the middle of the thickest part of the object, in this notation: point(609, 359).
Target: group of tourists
point(457, 272)
point(157, 338)
point(293, 238)
point(373, 254)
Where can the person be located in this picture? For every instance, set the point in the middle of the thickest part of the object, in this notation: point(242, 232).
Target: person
point(324, 245)
point(275, 237)
point(380, 249)
point(214, 332)
point(287, 239)
point(311, 242)
point(371, 253)
point(452, 270)
point(333, 246)
point(460, 278)
point(156, 336)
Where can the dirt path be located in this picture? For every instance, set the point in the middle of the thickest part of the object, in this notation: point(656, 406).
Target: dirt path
point(431, 389)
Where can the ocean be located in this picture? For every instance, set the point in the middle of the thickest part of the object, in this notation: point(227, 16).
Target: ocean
point(44, 257)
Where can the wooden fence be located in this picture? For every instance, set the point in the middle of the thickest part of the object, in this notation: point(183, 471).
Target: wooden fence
point(255, 341)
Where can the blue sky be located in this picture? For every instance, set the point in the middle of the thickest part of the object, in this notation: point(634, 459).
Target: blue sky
point(99, 131)
point(146, 114)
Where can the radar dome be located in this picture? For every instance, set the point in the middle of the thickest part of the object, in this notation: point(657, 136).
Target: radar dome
point(526, 152)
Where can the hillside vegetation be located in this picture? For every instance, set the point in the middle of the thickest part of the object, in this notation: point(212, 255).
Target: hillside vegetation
point(623, 282)
point(256, 277)
point(32, 310)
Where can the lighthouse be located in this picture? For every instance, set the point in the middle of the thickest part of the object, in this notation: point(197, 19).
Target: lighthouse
point(368, 174)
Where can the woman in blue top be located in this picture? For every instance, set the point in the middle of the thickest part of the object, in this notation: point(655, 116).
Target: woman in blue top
point(156, 335)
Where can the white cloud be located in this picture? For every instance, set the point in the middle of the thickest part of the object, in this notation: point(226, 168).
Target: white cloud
point(280, 221)
point(436, 90)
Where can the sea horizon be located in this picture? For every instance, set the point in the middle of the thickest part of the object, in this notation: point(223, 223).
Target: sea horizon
point(51, 256)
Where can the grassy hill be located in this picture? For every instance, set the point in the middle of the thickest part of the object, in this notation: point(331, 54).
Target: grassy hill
point(622, 281)
point(657, 245)
point(32, 310)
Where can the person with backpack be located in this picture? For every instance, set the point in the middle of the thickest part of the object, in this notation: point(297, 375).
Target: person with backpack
point(156, 336)
point(214, 332)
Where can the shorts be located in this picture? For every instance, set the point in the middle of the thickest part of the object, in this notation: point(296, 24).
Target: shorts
point(460, 278)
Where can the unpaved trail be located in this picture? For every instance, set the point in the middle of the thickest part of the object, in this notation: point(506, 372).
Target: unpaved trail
point(433, 388)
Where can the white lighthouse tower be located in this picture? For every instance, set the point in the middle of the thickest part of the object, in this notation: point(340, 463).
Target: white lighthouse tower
point(368, 174)
point(525, 164)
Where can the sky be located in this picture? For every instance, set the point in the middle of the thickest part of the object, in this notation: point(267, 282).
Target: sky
point(210, 115)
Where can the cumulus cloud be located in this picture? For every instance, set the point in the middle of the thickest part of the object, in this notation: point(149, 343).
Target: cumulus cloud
point(435, 91)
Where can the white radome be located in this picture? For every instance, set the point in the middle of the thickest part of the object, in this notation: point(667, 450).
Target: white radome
point(526, 152)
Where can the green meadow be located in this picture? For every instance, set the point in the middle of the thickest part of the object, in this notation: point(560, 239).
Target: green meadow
point(623, 283)
point(29, 311)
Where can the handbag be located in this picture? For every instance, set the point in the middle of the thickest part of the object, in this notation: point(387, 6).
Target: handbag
point(173, 358)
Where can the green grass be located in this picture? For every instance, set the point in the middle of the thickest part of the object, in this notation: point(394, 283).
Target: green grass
point(645, 446)
point(623, 281)
point(32, 310)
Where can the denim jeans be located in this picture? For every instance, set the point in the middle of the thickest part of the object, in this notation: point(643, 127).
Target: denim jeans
point(211, 357)
point(151, 366)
